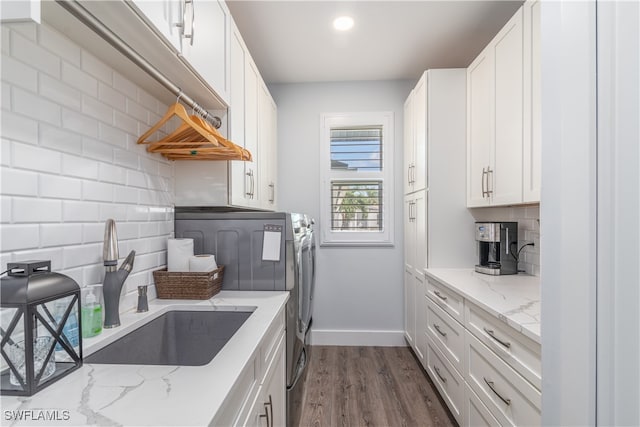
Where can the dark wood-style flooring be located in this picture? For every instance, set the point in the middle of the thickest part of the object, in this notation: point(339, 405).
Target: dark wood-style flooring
point(369, 386)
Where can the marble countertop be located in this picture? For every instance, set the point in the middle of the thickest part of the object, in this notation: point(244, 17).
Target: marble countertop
point(143, 395)
point(514, 299)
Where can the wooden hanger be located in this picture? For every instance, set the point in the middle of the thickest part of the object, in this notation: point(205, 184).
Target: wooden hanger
point(194, 138)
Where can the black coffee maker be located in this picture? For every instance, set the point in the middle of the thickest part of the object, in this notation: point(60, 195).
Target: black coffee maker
point(497, 247)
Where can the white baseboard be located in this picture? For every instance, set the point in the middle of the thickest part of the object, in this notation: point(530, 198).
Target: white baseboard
point(357, 338)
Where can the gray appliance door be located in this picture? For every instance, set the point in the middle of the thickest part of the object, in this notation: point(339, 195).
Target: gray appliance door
point(237, 244)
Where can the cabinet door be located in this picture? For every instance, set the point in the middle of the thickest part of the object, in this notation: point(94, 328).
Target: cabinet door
point(506, 174)
point(420, 232)
point(251, 105)
point(532, 140)
point(237, 117)
point(420, 133)
point(408, 144)
point(409, 308)
point(421, 319)
point(479, 126)
point(164, 15)
point(207, 48)
point(409, 233)
point(267, 147)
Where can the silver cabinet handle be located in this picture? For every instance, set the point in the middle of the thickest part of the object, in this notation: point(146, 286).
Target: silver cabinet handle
point(492, 387)
point(266, 415)
point(253, 185)
point(193, 19)
point(492, 335)
point(439, 295)
point(409, 174)
point(484, 192)
point(248, 183)
point(437, 327)
point(413, 173)
point(271, 409)
point(489, 188)
point(443, 379)
point(273, 192)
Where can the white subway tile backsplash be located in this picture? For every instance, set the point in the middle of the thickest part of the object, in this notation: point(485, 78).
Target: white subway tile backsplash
point(56, 91)
point(111, 97)
point(125, 122)
point(97, 191)
point(96, 109)
point(110, 173)
point(19, 183)
point(112, 210)
point(26, 29)
point(137, 213)
point(94, 149)
point(30, 53)
point(136, 179)
point(126, 158)
point(80, 123)
point(93, 274)
point(125, 194)
point(5, 154)
point(52, 254)
point(60, 139)
point(60, 234)
point(70, 161)
point(79, 79)
point(149, 102)
point(112, 135)
point(5, 211)
point(19, 236)
point(149, 229)
point(35, 158)
point(80, 211)
point(138, 111)
point(92, 233)
point(96, 68)
point(5, 39)
point(128, 230)
point(36, 107)
point(19, 128)
point(19, 74)
point(26, 210)
point(59, 45)
point(79, 167)
point(81, 255)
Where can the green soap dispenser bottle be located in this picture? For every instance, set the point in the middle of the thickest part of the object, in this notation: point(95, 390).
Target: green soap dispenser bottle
point(91, 316)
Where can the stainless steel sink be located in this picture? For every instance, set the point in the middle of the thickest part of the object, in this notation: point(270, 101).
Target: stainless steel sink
point(185, 338)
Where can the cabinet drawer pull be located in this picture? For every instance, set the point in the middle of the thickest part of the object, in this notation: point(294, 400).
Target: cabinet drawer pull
point(491, 386)
point(439, 295)
point(492, 335)
point(444, 334)
point(266, 415)
point(443, 379)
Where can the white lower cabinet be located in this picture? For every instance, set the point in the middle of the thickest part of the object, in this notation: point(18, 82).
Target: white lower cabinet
point(449, 382)
point(476, 414)
point(486, 372)
point(509, 397)
point(258, 397)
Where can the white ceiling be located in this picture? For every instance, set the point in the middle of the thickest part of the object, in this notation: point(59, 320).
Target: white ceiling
point(294, 41)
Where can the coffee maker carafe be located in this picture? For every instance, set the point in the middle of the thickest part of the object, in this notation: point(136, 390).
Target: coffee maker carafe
point(497, 247)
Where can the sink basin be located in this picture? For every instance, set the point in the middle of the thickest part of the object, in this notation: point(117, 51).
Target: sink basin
point(185, 338)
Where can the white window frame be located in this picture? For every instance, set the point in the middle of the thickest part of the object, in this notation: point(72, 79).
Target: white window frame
point(385, 237)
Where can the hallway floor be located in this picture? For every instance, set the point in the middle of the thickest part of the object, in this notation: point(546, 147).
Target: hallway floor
point(370, 386)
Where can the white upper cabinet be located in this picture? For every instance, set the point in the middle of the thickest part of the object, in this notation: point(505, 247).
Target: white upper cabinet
point(503, 118)
point(267, 136)
point(415, 143)
point(199, 31)
point(532, 90)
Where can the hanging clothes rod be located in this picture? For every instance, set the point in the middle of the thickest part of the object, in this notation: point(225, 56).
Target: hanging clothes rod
point(87, 18)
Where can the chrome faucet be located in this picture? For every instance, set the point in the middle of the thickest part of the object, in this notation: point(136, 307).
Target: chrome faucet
point(114, 277)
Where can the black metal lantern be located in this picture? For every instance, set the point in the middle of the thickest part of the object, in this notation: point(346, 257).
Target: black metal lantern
point(40, 327)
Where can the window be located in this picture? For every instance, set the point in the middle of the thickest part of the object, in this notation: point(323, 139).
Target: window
point(357, 179)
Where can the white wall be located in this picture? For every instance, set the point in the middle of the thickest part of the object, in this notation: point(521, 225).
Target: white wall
point(359, 292)
point(70, 161)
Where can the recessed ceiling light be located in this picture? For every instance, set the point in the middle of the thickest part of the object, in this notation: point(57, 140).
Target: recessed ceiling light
point(343, 23)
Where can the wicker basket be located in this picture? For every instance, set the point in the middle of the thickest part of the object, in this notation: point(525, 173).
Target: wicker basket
point(184, 285)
